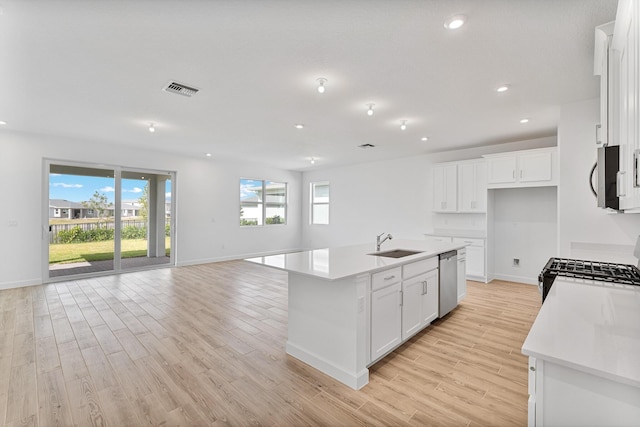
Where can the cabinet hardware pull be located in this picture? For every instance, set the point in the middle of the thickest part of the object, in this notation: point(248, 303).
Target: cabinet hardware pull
point(514, 174)
point(620, 186)
point(598, 127)
point(532, 368)
point(390, 277)
point(520, 173)
point(401, 297)
point(424, 287)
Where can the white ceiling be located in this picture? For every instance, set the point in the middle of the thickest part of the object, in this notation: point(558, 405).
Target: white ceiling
point(94, 70)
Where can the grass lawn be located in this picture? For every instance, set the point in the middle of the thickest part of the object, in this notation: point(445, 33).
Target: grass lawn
point(63, 253)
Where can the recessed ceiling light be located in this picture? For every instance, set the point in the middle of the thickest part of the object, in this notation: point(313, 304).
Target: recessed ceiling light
point(313, 161)
point(2, 123)
point(299, 126)
point(455, 22)
point(424, 138)
point(321, 81)
point(524, 120)
point(370, 110)
point(502, 88)
point(403, 125)
point(152, 128)
point(207, 154)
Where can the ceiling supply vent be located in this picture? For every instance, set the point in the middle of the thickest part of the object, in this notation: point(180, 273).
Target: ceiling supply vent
point(180, 89)
point(366, 146)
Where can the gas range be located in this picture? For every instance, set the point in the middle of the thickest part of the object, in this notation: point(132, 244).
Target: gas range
point(588, 270)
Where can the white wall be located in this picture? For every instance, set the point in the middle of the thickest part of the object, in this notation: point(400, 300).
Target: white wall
point(392, 196)
point(207, 211)
point(586, 231)
point(524, 227)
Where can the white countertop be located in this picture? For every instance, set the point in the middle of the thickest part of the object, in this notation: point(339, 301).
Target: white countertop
point(341, 262)
point(442, 232)
point(591, 328)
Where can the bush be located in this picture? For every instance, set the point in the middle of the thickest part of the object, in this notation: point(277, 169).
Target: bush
point(276, 219)
point(70, 236)
point(167, 230)
point(99, 235)
point(132, 232)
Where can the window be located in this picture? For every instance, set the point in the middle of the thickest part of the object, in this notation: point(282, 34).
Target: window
point(262, 202)
point(320, 202)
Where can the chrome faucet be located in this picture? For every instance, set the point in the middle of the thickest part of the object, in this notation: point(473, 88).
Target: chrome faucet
point(380, 242)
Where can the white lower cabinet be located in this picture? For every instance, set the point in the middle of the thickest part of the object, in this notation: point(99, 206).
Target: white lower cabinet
point(462, 274)
point(419, 303)
point(386, 320)
point(404, 300)
point(562, 396)
point(475, 255)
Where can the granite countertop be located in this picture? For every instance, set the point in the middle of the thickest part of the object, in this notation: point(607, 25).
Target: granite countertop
point(341, 262)
point(590, 328)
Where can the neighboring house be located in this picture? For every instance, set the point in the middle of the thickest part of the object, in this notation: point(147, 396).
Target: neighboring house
point(65, 209)
point(131, 208)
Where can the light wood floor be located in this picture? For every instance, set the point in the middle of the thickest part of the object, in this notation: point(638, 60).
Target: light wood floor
point(204, 345)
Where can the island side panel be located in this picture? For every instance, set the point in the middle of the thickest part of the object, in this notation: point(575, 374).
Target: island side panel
point(328, 326)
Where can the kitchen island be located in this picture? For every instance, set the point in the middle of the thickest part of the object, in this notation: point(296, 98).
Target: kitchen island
point(335, 295)
point(584, 356)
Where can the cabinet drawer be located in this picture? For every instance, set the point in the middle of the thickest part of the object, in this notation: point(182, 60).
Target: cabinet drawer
point(385, 278)
point(419, 267)
point(468, 241)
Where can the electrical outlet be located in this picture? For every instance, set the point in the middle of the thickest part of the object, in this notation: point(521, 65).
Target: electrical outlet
point(13, 223)
point(516, 262)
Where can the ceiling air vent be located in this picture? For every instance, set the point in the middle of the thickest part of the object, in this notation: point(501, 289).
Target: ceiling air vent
point(366, 146)
point(180, 89)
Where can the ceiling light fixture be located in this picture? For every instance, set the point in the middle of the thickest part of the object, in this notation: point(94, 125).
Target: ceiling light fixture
point(2, 123)
point(403, 126)
point(502, 88)
point(370, 110)
point(321, 81)
point(207, 154)
point(313, 161)
point(424, 138)
point(152, 128)
point(524, 121)
point(299, 126)
point(455, 22)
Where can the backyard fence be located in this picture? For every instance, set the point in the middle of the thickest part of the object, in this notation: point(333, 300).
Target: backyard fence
point(54, 229)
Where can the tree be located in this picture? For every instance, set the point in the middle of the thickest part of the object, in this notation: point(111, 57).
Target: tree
point(99, 204)
point(144, 203)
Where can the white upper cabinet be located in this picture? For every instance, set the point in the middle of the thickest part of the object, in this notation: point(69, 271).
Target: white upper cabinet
point(472, 186)
point(623, 94)
point(445, 180)
point(460, 186)
point(527, 168)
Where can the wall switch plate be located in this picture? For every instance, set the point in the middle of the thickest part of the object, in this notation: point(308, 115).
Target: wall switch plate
point(516, 262)
point(13, 223)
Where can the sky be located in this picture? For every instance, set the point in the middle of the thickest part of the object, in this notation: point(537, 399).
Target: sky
point(77, 188)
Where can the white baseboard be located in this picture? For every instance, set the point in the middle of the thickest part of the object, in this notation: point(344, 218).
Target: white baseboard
point(20, 284)
point(518, 279)
point(233, 257)
point(355, 380)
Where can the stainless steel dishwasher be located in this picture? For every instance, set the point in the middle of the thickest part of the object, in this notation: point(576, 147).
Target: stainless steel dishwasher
point(448, 282)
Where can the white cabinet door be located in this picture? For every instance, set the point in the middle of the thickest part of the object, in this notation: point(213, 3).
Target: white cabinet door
point(472, 187)
point(501, 170)
point(475, 261)
point(386, 320)
point(462, 275)
point(412, 291)
point(419, 302)
point(445, 188)
point(535, 167)
point(430, 298)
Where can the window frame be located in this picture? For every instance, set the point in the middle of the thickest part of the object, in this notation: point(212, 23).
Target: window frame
point(263, 204)
point(313, 203)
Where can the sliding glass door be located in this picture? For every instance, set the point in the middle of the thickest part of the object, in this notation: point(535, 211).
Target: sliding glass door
point(103, 219)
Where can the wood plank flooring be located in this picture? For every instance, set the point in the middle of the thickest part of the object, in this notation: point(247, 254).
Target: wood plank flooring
point(204, 346)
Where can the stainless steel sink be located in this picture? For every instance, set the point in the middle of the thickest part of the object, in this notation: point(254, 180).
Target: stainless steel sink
point(396, 253)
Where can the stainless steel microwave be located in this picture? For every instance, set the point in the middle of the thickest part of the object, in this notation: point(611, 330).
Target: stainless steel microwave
point(608, 167)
